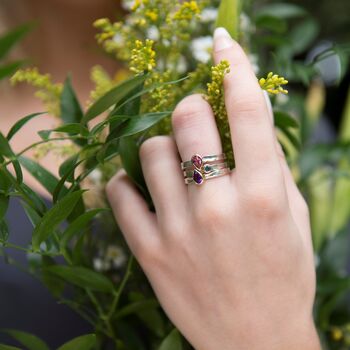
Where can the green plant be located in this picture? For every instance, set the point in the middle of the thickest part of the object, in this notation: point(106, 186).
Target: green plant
point(156, 42)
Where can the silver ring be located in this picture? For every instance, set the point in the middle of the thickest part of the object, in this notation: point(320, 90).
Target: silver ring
point(199, 160)
point(199, 181)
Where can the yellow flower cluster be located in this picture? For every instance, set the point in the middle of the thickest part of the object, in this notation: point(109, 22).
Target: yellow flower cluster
point(341, 334)
point(142, 57)
point(48, 92)
point(215, 97)
point(102, 81)
point(187, 11)
point(273, 84)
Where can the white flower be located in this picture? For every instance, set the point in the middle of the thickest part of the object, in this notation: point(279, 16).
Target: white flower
point(116, 255)
point(202, 48)
point(127, 4)
point(100, 265)
point(118, 39)
point(96, 176)
point(245, 23)
point(153, 33)
point(209, 14)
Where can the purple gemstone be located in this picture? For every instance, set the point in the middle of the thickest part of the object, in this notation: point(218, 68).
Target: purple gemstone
point(197, 177)
point(197, 161)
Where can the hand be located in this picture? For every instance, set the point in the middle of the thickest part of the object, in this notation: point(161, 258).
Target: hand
point(230, 261)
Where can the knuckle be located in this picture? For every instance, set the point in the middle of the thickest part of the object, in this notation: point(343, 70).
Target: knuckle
point(187, 113)
point(265, 203)
point(153, 145)
point(213, 217)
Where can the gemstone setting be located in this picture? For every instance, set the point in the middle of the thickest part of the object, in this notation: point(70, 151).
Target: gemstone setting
point(197, 177)
point(197, 161)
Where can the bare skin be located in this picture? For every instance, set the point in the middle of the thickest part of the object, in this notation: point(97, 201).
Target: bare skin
point(230, 261)
point(63, 37)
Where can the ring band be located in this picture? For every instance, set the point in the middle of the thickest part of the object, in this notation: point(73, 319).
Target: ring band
point(197, 159)
point(189, 180)
point(199, 168)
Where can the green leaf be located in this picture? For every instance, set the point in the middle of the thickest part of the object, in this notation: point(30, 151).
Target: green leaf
point(129, 154)
point(30, 341)
point(284, 120)
point(82, 277)
point(9, 68)
point(4, 203)
point(136, 124)
point(18, 125)
point(113, 96)
point(282, 10)
point(137, 306)
point(5, 150)
point(71, 129)
point(66, 167)
point(8, 347)
point(229, 16)
point(4, 231)
point(84, 342)
point(46, 178)
point(54, 217)
point(8, 40)
point(71, 111)
point(172, 341)
point(303, 35)
point(78, 224)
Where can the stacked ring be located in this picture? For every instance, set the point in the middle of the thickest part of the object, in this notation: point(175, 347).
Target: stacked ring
point(201, 168)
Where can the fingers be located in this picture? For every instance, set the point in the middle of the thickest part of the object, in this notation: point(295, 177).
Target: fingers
point(161, 167)
point(196, 132)
point(137, 223)
point(252, 135)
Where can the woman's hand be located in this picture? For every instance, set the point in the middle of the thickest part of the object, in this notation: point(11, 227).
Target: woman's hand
point(231, 261)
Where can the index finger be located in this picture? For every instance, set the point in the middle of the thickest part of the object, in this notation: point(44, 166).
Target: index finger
point(252, 136)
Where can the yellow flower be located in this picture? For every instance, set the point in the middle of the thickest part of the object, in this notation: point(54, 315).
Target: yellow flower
point(273, 84)
point(142, 57)
point(187, 11)
point(337, 333)
point(48, 92)
point(152, 15)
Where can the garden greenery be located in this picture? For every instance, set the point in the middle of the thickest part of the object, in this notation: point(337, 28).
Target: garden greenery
point(165, 47)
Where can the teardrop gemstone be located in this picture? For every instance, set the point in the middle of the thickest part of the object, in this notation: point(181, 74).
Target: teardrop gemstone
point(197, 161)
point(197, 177)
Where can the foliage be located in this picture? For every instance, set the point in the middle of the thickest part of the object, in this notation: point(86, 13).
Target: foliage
point(164, 45)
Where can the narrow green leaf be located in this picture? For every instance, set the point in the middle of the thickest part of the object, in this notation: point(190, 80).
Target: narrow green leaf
point(8, 40)
point(8, 347)
point(82, 277)
point(18, 125)
point(71, 111)
point(9, 68)
point(129, 153)
point(229, 16)
point(113, 96)
point(4, 203)
point(68, 164)
point(78, 224)
point(84, 342)
point(4, 231)
point(54, 217)
point(30, 341)
point(282, 10)
point(6, 150)
point(136, 124)
point(284, 120)
point(45, 177)
point(172, 341)
point(71, 129)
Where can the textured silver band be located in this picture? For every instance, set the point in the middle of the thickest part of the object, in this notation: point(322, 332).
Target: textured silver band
point(216, 173)
point(206, 169)
point(205, 159)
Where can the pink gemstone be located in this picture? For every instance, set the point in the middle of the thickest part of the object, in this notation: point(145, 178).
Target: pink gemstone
point(197, 161)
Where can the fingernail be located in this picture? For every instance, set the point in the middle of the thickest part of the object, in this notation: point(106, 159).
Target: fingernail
point(268, 105)
point(222, 39)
